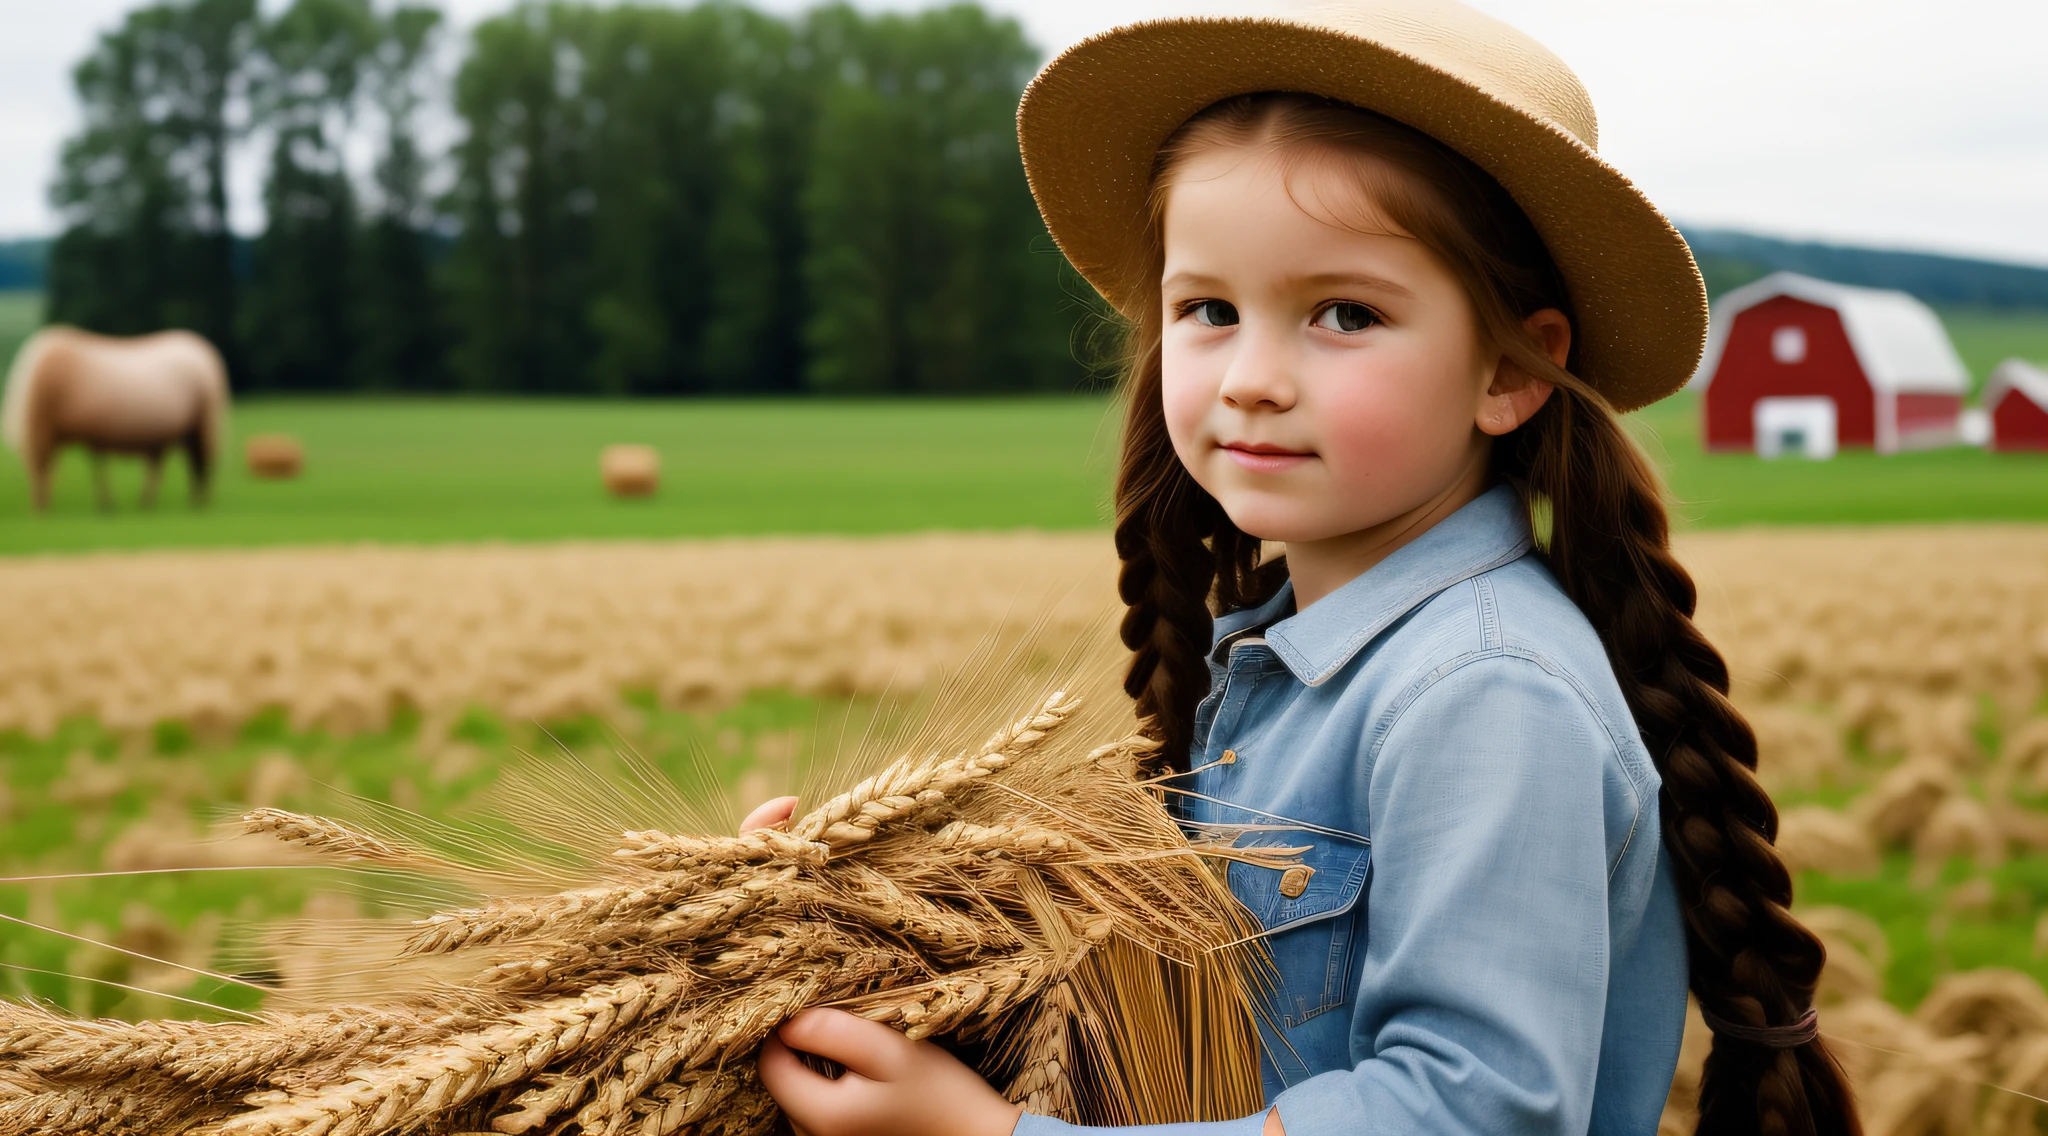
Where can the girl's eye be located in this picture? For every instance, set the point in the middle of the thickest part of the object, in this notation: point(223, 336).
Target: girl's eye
point(1346, 316)
point(1214, 313)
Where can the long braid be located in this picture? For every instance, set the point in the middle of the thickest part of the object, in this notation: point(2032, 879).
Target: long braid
point(1751, 962)
point(1166, 575)
point(1180, 555)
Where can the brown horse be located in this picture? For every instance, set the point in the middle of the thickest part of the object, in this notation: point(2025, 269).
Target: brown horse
point(140, 395)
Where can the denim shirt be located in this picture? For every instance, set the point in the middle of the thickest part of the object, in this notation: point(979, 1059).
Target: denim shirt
point(1487, 939)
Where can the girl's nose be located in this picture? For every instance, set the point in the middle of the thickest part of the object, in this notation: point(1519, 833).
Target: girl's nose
point(1261, 374)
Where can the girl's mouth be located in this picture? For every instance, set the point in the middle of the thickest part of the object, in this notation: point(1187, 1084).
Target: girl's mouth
point(1263, 457)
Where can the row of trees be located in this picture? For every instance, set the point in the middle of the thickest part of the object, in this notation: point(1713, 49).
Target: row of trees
point(638, 200)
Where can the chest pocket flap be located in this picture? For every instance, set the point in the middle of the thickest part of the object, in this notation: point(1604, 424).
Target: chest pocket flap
point(1327, 882)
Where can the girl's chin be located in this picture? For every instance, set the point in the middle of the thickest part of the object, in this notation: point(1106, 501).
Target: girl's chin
point(1267, 520)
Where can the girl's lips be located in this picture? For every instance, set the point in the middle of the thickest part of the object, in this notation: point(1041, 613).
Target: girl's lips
point(1262, 458)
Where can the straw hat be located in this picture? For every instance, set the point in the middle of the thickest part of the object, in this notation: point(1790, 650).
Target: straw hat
point(1091, 121)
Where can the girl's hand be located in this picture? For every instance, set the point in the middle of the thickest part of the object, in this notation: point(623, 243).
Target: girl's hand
point(768, 814)
point(892, 1086)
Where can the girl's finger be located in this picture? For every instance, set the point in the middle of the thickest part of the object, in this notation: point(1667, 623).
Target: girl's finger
point(800, 1090)
point(867, 1048)
point(769, 813)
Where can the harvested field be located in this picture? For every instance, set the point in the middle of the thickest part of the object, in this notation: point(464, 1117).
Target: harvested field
point(1895, 679)
point(340, 638)
point(1896, 633)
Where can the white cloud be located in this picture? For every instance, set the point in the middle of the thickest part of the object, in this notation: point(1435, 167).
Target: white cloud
point(1889, 122)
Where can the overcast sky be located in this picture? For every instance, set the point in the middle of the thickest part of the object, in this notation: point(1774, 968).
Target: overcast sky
point(1890, 122)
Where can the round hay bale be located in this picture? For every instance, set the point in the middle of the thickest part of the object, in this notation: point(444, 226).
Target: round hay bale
point(630, 470)
point(274, 457)
point(2025, 754)
point(1814, 838)
point(2024, 1108)
point(1934, 1093)
point(1904, 798)
point(1996, 1003)
point(1869, 1034)
point(1961, 826)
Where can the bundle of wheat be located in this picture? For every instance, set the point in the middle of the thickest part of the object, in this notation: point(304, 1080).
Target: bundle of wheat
point(1029, 900)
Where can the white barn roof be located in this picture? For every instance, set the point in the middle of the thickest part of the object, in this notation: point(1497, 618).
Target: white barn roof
point(1898, 339)
point(2016, 375)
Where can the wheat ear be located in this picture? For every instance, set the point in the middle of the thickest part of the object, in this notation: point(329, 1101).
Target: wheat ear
point(1043, 1083)
point(332, 838)
point(404, 1091)
point(906, 787)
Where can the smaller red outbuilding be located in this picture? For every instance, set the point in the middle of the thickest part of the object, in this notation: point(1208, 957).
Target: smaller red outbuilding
point(2016, 395)
point(1795, 363)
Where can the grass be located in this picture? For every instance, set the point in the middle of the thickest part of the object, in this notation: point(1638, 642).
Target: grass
point(1969, 918)
point(487, 469)
point(491, 469)
point(419, 470)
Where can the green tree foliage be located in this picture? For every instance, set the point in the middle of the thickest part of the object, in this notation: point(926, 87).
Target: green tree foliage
point(918, 220)
point(297, 318)
point(144, 186)
point(402, 339)
point(642, 200)
point(620, 196)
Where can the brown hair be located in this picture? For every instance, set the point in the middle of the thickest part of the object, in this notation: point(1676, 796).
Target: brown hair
point(1607, 543)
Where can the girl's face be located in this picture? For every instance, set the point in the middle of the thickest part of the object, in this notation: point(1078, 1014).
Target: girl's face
point(1319, 380)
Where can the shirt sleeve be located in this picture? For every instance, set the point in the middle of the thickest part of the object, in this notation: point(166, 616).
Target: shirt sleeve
point(1484, 984)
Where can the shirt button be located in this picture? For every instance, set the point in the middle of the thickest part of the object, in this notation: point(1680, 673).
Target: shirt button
point(1229, 757)
point(1294, 880)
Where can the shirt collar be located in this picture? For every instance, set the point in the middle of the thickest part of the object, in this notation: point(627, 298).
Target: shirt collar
point(1485, 533)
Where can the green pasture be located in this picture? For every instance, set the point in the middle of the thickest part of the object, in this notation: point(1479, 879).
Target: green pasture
point(464, 469)
point(490, 469)
point(494, 469)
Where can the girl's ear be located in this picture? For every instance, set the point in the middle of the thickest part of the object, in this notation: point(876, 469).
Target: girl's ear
point(1516, 394)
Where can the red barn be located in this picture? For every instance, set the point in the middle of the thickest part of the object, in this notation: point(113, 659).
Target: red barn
point(1795, 362)
point(2016, 395)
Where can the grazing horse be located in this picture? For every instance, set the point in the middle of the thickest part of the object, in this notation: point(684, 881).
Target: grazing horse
point(138, 395)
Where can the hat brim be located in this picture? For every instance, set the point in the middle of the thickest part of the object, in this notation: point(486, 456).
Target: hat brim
point(1092, 120)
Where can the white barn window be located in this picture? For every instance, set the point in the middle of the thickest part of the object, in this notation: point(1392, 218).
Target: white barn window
point(1788, 344)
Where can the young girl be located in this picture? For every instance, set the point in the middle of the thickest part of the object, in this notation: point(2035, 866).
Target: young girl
point(1385, 303)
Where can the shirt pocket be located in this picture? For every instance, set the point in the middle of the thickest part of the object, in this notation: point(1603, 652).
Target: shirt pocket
point(1309, 913)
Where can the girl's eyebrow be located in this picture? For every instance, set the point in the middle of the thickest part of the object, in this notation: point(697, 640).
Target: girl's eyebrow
point(1362, 279)
point(1313, 280)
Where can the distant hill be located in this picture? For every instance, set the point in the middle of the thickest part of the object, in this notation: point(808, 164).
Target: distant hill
point(21, 263)
point(1729, 259)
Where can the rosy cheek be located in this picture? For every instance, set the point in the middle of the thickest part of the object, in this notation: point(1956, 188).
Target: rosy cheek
point(1366, 436)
